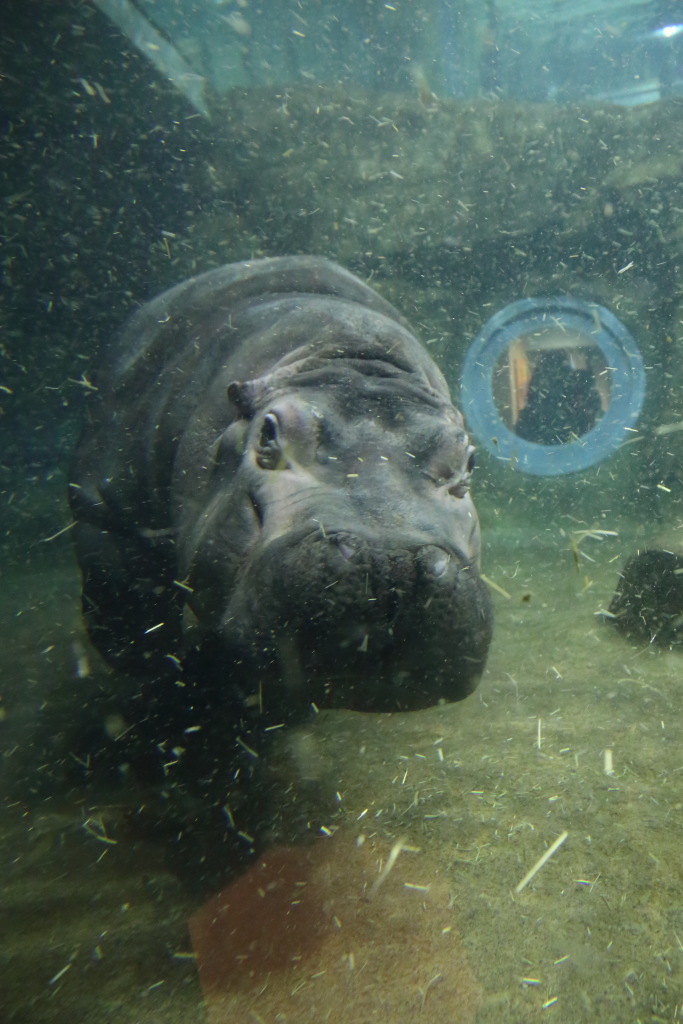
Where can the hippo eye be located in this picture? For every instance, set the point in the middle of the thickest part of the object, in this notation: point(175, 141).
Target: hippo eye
point(460, 489)
point(268, 430)
point(269, 454)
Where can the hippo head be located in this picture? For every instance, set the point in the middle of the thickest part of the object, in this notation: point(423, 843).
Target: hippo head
point(333, 546)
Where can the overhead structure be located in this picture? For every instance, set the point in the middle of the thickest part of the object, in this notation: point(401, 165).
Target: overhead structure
point(628, 52)
point(159, 49)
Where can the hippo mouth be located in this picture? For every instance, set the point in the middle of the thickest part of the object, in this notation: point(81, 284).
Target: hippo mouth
point(347, 622)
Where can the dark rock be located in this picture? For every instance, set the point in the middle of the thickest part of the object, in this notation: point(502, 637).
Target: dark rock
point(648, 603)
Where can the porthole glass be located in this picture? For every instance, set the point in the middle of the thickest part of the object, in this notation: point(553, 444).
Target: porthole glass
point(552, 385)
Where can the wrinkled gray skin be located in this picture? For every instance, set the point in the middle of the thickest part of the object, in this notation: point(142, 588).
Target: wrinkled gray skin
point(274, 472)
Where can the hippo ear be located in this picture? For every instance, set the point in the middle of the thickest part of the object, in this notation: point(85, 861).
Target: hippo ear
point(245, 396)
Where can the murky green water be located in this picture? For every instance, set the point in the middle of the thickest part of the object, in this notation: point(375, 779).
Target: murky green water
point(462, 158)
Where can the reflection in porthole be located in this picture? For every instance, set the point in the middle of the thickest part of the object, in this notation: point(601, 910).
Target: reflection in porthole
point(551, 385)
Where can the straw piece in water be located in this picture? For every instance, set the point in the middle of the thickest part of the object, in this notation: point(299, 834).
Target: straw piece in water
point(541, 861)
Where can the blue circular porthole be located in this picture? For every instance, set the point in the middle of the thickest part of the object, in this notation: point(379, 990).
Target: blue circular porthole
point(553, 385)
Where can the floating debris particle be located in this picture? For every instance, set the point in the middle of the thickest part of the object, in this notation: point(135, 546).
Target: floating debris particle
point(541, 861)
point(391, 860)
point(494, 586)
point(60, 974)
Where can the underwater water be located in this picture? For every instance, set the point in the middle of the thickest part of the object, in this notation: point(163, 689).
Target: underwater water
point(510, 179)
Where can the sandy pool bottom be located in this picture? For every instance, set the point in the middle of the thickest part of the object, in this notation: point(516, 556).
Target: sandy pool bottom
point(462, 801)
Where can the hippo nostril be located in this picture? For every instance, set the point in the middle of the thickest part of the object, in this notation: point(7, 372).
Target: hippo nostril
point(345, 546)
point(434, 561)
point(440, 566)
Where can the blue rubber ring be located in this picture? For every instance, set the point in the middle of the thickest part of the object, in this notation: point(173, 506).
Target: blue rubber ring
point(601, 328)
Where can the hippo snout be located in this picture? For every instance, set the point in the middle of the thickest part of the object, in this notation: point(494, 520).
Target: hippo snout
point(431, 558)
point(402, 564)
point(375, 624)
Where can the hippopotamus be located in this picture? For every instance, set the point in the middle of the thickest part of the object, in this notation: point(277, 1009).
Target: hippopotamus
point(272, 505)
